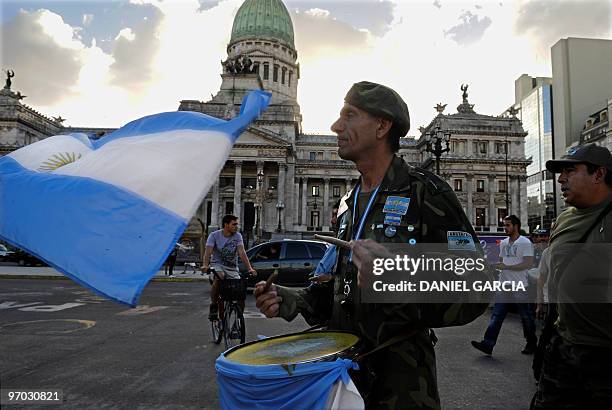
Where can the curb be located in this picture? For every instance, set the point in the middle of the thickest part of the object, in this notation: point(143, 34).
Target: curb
point(60, 277)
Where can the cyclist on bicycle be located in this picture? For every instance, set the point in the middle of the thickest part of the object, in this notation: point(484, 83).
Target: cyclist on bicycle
point(224, 245)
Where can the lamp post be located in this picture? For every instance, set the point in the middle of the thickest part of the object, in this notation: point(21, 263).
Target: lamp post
point(280, 206)
point(258, 228)
point(434, 144)
point(507, 179)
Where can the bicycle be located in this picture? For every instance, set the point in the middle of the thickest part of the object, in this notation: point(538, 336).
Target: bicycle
point(230, 325)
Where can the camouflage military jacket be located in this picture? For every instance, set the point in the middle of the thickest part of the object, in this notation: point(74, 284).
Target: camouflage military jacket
point(432, 212)
point(402, 375)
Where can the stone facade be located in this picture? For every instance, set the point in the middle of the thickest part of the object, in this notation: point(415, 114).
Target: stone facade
point(477, 167)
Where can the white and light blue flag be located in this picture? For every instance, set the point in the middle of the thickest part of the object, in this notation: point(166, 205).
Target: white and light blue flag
point(107, 213)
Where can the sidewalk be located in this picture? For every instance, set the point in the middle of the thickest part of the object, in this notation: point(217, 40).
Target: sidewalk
point(9, 271)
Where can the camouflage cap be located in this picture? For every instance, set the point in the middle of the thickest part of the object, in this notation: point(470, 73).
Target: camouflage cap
point(380, 101)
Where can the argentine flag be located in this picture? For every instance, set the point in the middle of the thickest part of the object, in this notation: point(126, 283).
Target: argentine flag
point(107, 213)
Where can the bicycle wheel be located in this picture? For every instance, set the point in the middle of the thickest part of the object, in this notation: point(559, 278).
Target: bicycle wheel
point(234, 332)
point(216, 327)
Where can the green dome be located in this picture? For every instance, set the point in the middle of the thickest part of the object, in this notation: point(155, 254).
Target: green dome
point(263, 18)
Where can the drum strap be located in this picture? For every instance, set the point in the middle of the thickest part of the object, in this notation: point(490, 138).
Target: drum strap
point(395, 339)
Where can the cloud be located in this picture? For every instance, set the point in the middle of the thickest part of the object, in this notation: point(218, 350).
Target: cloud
point(134, 51)
point(437, 4)
point(317, 34)
point(546, 22)
point(87, 19)
point(44, 54)
point(470, 31)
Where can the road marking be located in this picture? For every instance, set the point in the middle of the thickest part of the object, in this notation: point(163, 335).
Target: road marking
point(141, 310)
point(85, 323)
point(25, 294)
point(15, 305)
point(50, 308)
point(253, 314)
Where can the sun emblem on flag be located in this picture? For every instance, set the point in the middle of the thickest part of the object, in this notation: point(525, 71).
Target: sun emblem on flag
point(59, 160)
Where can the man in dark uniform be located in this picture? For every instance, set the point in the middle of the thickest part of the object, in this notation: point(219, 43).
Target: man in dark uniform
point(401, 372)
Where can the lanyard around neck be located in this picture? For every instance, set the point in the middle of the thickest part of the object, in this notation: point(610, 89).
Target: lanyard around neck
point(362, 218)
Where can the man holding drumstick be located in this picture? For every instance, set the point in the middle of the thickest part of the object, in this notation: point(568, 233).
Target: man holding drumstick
point(401, 371)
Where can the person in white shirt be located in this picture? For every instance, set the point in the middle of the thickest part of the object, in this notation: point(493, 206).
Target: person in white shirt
point(516, 252)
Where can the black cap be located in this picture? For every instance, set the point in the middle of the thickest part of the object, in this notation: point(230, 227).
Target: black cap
point(589, 154)
point(380, 101)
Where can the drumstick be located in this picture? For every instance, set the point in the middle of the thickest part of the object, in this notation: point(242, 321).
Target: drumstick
point(334, 241)
point(271, 279)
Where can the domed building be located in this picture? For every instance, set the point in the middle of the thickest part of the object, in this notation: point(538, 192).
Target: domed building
point(300, 176)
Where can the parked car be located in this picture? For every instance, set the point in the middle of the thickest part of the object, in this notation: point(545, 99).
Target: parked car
point(6, 255)
point(23, 258)
point(295, 260)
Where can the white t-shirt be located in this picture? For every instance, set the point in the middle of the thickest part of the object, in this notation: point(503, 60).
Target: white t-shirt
point(513, 254)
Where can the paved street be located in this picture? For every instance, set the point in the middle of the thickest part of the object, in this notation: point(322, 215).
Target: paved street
point(54, 334)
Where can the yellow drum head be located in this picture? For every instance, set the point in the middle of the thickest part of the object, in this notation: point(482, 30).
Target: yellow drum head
point(295, 348)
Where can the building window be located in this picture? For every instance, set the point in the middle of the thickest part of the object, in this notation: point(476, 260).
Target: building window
point(313, 156)
point(480, 185)
point(248, 183)
point(500, 147)
point(275, 74)
point(272, 183)
point(290, 76)
point(458, 185)
point(336, 191)
point(226, 181)
point(481, 214)
point(229, 207)
point(314, 218)
point(266, 73)
point(283, 75)
point(503, 186)
point(256, 68)
point(501, 214)
point(482, 147)
point(315, 190)
point(334, 156)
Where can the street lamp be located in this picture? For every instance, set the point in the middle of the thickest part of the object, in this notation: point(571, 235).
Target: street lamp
point(434, 144)
point(280, 207)
point(260, 177)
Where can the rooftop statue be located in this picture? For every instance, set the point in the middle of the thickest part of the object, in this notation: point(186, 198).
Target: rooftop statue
point(464, 88)
point(9, 74)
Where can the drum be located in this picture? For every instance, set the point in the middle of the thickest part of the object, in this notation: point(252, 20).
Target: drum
point(305, 347)
point(308, 370)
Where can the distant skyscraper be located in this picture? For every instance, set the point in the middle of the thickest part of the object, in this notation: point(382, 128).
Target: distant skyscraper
point(582, 76)
point(533, 98)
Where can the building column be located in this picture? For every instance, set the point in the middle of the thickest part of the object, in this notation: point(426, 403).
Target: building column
point(304, 201)
point(348, 184)
point(261, 222)
point(214, 213)
point(281, 195)
point(491, 149)
point(469, 187)
point(469, 148)
point(238, 189)
point(522, 201)
point(489, 188)
point(296, 203)
point(326, 214)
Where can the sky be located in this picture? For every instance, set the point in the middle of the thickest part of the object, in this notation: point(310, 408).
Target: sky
point(105, 63)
